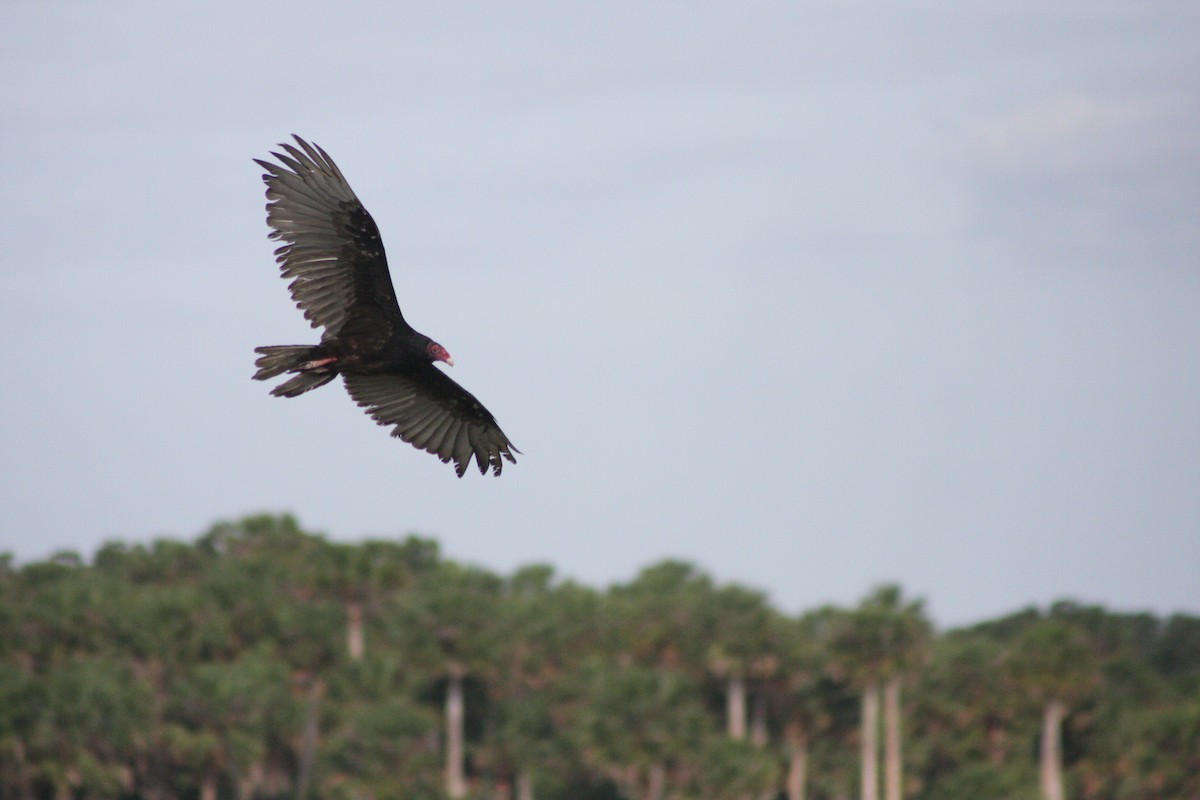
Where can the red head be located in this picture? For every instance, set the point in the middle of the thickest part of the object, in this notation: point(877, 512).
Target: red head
point(438, 353)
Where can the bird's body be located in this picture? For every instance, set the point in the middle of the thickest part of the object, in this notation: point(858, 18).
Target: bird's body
point(340, 280)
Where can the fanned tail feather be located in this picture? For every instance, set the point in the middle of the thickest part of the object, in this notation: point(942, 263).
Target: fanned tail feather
point(278, 359)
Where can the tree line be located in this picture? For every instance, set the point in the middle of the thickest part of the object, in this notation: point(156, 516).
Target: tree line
point(263, 661)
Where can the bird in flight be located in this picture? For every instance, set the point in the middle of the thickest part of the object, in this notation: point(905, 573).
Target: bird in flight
point(334, 257)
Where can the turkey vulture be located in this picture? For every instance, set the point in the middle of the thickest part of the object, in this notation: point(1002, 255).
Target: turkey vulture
point(334, 256)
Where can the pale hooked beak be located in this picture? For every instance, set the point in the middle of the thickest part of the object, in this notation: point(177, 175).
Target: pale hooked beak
point(438, 353)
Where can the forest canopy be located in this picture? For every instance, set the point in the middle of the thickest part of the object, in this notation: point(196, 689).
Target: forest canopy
point(264, 661)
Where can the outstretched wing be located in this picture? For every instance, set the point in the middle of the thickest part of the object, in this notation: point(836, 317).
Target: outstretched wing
point(433, 413)
point(332, 249)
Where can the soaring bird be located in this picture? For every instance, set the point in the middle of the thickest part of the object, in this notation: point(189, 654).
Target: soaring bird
point(334, 256)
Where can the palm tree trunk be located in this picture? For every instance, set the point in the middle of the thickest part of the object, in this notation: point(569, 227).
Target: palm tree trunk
point(870, 742)
point(758, 721)
point(524, 784)
point(996, 744)
point(797, 775)
point(355, 643)
point(456, 784)
point(628, 780)
point(1051, 752)
point(891, 743)
point(308, 752)
point(735, 706)
point(657, 783)
point(21, 779)
point(249, 783)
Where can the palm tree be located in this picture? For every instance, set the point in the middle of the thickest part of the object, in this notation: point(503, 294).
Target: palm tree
point(1052, 664)
point(657, 623)
point(670, 631)
point(878, 645)
point(548, 630)
point(639, 724)
point(741, 636)
point(451, 624)
point(798, 692)
point(361, 576)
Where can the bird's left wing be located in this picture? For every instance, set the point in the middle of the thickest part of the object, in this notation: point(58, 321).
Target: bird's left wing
point(433, 413)
point(332, 249)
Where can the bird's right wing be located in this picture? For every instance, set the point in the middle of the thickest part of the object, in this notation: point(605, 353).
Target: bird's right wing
point(332, 249)
point(433, 413)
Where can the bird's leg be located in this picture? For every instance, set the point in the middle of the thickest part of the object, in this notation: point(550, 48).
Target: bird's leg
point(320, 362)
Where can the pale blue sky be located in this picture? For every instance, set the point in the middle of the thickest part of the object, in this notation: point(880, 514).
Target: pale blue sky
point(813, 295)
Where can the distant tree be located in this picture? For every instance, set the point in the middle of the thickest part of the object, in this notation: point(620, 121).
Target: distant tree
point(1175, 653)
point(965, 715)
point(797, 694)
point(245, 707)
point(878, 644)
point(641, 725)
point(673, 615)
point(1166, 750)
point(380, 742)
point(361, 576)
point(741, 647)
point(451, 624)
point(20, 703)
point(662, 617)
point(547, 630)
point(668, 629)
point(89, 715)
point(1051, 663)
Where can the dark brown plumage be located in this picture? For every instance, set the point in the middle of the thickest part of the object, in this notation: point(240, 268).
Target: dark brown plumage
point(340, 280)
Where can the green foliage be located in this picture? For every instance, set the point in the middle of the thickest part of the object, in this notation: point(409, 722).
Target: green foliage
point(982, 779)
point(731, 768)
point(882, 637)
point(1052, 659)
point(385, 747)
point(158, 669)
